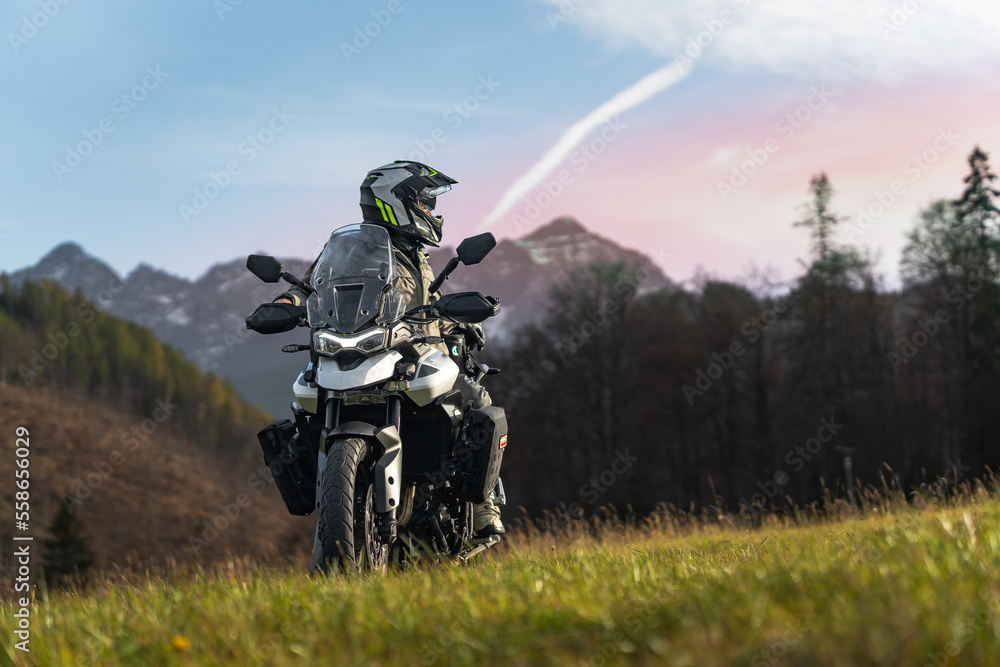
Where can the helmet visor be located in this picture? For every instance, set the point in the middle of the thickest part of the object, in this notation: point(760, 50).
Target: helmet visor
point(428, 196)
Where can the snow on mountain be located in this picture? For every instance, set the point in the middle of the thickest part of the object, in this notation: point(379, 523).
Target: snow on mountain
point(205, 318)
point(72, 268)
point(522, 272)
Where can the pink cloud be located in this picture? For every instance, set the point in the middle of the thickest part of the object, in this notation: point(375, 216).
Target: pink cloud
point(657, 184)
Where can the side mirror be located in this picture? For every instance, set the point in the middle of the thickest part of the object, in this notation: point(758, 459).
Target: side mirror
point(473, 249)
point(271, 318)
point(265, 267)
point(470, 251)
point(467, 307)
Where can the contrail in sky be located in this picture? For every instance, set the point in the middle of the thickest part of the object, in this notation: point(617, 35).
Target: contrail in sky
point(632, 96)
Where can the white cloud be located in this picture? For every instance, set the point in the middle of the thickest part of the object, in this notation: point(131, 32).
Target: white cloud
point(883, 40)
point(636, 94)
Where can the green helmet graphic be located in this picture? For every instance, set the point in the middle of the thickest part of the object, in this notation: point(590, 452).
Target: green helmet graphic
point(401, 196)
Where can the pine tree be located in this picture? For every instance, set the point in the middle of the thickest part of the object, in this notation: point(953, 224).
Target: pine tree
point(951, 262)
point(66, 554)
point(976, 209)
point(833, 338)
point(820, 220)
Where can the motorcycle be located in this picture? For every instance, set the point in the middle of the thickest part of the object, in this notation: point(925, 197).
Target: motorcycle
point(381, 445)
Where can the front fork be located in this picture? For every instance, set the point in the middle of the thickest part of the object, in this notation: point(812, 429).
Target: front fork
point(389, 471)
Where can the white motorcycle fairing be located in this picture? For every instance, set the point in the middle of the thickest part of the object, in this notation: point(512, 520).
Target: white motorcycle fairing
point(436, 374)
point(372, 370)
point(306, 396)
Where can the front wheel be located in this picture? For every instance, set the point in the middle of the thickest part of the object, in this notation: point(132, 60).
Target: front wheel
point(347, 530)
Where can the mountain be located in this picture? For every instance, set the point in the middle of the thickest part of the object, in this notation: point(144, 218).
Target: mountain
point(72, 268)
point(205, 318)
point(521, 273)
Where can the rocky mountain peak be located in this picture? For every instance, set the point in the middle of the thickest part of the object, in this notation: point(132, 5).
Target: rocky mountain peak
point(63, 253)
point(70, 266)
point(562, 226)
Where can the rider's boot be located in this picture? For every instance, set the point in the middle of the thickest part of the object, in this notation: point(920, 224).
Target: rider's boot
point(486, 518)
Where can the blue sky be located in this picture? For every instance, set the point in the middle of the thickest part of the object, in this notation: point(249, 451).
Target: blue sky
point(225, 73)
point(278, 72)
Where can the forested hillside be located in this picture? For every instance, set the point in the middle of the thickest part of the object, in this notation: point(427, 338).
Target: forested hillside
point(55, 339)
point(155, 459)
point(138, 497)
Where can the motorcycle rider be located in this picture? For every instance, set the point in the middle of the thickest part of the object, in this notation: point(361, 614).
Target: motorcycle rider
point(401, 197)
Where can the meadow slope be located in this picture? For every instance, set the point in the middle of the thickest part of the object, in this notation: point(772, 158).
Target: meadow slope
point(903, 587)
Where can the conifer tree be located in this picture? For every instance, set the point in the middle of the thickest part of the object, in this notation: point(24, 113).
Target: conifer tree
point(66, 554)
point(977, 207)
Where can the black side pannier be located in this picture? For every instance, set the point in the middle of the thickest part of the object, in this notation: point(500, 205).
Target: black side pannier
point(293, 465)
point(481, 455)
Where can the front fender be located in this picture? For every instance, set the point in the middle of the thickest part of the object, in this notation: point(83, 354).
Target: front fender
point(388, 468)
point(361, 429)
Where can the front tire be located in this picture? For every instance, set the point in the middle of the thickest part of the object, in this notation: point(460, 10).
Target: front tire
point(347, 529)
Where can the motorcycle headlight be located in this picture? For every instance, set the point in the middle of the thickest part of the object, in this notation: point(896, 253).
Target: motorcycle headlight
point(328, 343)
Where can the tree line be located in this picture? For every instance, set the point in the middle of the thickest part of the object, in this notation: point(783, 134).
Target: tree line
point(730, 396)
point(54, 339)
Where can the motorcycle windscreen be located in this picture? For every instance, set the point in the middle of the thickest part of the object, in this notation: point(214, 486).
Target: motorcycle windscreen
point(352, 279)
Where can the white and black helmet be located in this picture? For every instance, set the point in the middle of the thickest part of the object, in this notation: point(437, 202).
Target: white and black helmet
point(401, 196)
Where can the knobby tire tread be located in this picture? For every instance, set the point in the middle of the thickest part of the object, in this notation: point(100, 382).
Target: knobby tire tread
point(336, 517)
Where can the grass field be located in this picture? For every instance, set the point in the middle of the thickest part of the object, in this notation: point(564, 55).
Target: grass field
point(896, 584)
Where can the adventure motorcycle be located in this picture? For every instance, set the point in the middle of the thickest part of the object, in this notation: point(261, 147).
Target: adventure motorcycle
point(381, 445)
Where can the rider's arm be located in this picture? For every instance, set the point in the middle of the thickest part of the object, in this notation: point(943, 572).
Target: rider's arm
point(294, 294)
point(406, 283)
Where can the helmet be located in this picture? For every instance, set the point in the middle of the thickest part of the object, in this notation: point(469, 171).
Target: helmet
point(401, 196)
